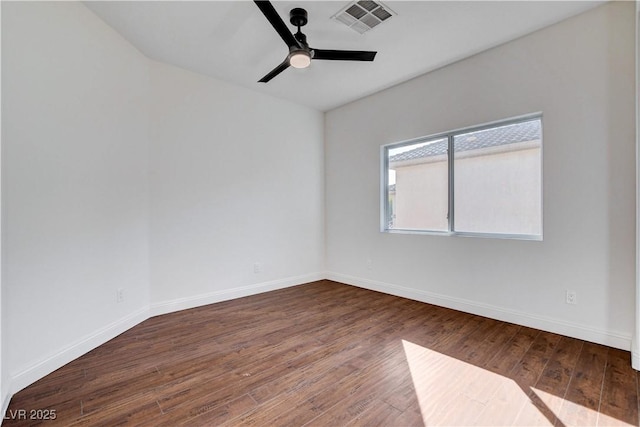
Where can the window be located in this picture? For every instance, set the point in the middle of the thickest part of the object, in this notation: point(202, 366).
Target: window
point(480, 181)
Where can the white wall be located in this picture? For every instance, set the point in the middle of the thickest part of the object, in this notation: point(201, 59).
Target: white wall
point(75, 185)
point(120, 172)
point(580, 75)
point(635, 351)
point(237, 179)
point(3, 374)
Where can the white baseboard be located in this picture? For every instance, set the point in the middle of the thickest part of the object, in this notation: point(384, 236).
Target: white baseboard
point(609, 338)
point(635, 354)
point(49, 364)
point(65, 355)
point(24, 378)
point(178, 304)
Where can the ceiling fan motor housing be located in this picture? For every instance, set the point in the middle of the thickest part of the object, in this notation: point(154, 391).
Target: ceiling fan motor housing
point(298, 17)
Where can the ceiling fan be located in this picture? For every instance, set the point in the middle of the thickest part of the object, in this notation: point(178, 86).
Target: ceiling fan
point(300, 54)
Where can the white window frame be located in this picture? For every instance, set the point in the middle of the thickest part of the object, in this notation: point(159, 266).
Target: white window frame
point(384, 182)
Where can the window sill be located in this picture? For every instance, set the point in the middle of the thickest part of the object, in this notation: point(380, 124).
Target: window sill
point(533, 237)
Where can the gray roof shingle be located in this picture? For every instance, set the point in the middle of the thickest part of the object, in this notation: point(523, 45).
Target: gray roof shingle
point(503, 135)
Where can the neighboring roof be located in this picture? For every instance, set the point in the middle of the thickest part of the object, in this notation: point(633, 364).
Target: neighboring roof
point(509, 134)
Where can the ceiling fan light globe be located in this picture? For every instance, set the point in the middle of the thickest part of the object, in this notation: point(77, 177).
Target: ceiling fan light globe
point(300, 60)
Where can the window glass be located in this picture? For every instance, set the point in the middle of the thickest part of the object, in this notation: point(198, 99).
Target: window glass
point(497, 179)
point(485, 180)
point(418, 186)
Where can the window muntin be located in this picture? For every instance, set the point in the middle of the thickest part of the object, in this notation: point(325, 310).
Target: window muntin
point(490, 186)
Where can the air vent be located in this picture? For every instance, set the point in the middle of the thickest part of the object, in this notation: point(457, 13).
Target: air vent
point(362, 16)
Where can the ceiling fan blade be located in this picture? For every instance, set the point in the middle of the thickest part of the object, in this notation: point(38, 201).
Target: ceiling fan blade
point(278, 24)
point(344, 55)
point(280, 68)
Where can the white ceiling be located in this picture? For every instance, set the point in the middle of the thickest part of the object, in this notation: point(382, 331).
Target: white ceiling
point(232, 40)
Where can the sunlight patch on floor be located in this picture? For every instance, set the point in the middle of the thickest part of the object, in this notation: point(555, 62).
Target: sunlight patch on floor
point(571, 413)
point(606, 420)
point(453, 392)
point(541, 409)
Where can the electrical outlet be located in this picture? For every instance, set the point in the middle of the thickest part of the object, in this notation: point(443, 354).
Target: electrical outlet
point(369, 264)
point(571, 297)
point(257, 267)
point(120, 295)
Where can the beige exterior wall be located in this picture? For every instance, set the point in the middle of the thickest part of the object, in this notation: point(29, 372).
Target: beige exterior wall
point(421, 200)
point(494, 192)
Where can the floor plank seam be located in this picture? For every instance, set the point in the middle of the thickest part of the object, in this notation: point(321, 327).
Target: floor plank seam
point(331, 354)
point(606, 365)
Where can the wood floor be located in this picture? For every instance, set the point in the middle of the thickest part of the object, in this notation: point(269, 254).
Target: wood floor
point(327, 354)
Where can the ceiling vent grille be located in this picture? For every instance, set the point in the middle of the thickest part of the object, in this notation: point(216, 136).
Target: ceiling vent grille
point(363, 15)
